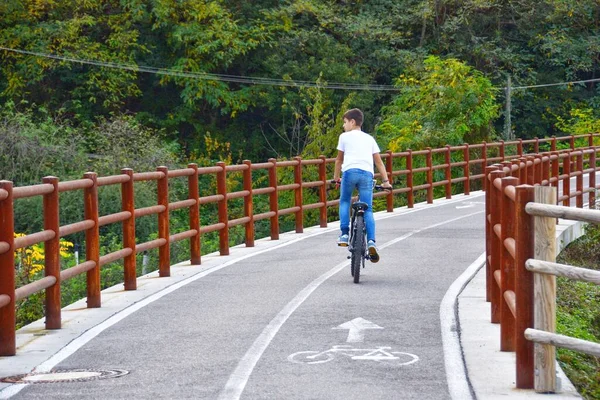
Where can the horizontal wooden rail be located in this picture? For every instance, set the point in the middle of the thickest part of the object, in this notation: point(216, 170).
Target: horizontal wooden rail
point(148, 176)
point(112, 180)
point(75, 227)
point(266, 190)
point(34, 238)
point(566, 342)
point(211, 199)
point(69, 273)
point(176, 173)
point(182, 236)
point(74, 185)
point(567, 271)
point(214, 227)
point(112, 218)
point(549, 210)
point(34, 287)
point(266, 215)
point(140, 212)
point(30, 191)
point(182, 204)
point(4, 300)
point(4, 247)
point(152, 244)
point(115, 255)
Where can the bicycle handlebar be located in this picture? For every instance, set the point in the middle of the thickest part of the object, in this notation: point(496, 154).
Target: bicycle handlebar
point(379, 188)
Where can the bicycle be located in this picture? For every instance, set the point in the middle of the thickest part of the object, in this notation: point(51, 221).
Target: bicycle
point(357, 243)
point(379, 354)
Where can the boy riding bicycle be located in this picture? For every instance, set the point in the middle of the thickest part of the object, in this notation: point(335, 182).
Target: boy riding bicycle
point(357, 151)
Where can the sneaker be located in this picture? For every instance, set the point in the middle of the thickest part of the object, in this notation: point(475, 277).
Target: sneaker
point(373, 251)
point(343, 240)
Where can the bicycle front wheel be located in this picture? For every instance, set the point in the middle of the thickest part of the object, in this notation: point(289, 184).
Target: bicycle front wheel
point(358, 247)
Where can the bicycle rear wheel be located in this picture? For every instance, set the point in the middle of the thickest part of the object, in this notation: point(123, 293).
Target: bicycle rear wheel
point(358, 247)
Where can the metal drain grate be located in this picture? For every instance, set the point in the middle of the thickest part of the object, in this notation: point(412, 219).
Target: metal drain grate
point(66, 375)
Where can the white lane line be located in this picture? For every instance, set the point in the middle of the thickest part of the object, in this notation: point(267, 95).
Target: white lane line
point(239, 378)
point(90, 334)
point(456, 375)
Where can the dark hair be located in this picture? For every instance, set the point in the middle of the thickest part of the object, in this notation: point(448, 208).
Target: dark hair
point(356, 115)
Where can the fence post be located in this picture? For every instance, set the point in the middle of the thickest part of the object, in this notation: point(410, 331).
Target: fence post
point(495, 204)
point(524, 244)
point(467, 169)
point(502, 150)
point(249, 204)
point(523, 168)
point(592, 179)
point(484, 162)
point(579, 180)
point(274, 200)
point(536, 146)
point(572, 142)
point(448, 161)
point(323, 191)
point(409, 179)
point(507, 264)
point(591, 140)
point(92, 241)
point(298, 195)
point(545, 169)
point(555, 168)
point(389, 163)
point(553, 143)
point(531, 170)
point(488, 232)
point(194, 194)
point(545, 293)
point(164, 251)
point(128, 204)
point(8, 336)
point(222, 205)
point(52, 254)
point(520, 148)
point(567, 180)
point(429, 176)
point(538, 169)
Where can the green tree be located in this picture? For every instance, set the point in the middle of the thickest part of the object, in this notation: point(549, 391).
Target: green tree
point(440, 102)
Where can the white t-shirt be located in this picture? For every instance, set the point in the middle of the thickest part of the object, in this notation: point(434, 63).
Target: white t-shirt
point(358, 148)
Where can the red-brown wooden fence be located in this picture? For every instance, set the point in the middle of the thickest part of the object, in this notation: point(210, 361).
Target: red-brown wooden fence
point(510, 240)
point(469, 166)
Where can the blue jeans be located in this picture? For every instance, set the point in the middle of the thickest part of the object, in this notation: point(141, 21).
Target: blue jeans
point(363, 181)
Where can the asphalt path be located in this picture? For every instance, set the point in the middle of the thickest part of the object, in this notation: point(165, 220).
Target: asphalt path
point(290, 323)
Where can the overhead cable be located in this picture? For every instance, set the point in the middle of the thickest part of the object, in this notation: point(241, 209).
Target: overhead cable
point(248, 79)
point(209, 76)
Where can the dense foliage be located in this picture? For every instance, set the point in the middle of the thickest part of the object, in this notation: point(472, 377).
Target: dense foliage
point(383, 42)
point(578, 313)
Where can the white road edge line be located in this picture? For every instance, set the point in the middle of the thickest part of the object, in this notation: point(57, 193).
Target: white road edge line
point(456, 374)
point(239, 378)
point(85, 337)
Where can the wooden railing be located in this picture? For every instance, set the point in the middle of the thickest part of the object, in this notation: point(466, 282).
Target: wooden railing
point(521, 299)
point(545, 268)
point(444, 167)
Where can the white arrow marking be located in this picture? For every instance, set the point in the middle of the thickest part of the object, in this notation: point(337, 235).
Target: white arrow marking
point(356, 329)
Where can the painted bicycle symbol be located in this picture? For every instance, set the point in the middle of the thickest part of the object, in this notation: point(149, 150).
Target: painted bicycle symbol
point(377, 354)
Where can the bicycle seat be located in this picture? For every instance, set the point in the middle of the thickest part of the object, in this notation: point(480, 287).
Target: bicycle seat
point(360, 205)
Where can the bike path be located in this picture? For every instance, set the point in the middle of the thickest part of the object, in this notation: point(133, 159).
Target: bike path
point(244, 326)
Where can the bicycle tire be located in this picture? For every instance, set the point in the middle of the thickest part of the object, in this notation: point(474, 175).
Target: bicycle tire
point(358, 247)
